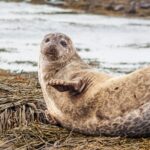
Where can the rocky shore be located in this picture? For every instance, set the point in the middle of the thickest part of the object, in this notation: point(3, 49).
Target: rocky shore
point(129, 8)
point(133, 8)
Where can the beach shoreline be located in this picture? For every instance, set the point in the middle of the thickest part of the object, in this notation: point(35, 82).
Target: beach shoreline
point(115, 8)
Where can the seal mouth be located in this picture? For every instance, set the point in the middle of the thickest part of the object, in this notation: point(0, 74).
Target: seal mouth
point(52, 54)
point(49, 50)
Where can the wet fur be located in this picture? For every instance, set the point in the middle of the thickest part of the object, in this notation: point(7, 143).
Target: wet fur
point(113, 106)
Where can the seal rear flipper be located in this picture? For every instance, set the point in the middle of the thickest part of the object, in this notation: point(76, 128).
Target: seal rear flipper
point(74, 86)
point(133, 124)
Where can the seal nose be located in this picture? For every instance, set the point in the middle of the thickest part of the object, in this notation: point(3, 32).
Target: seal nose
point(52, 47)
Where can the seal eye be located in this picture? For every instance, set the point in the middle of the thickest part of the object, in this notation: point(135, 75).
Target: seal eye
point(47, 40)
point(63, 43)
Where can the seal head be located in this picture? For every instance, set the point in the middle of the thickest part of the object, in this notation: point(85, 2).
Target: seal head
point(56, 47)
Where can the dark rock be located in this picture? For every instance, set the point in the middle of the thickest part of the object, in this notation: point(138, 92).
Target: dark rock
point(109, 6)
point(132, 8)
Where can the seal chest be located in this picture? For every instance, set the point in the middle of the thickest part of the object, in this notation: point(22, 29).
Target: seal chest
point(51, 106)
point(88, 101)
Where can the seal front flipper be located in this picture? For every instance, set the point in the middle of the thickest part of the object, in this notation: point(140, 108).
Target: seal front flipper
point(74, 86)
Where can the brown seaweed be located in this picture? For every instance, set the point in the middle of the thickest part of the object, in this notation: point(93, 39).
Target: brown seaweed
point(24, 125)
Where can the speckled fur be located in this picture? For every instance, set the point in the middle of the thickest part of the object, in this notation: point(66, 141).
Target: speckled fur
point(112, 106)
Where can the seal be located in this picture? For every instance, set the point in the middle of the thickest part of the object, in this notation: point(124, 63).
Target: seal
point(82, 99)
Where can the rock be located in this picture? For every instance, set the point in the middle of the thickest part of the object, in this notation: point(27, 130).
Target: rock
point(118, 7)
point(144, 5)
point(132, 8)
point(109, 6)
point(56, 3)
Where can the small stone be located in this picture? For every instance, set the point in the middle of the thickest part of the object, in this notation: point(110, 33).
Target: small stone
point(108, 6)
point(118, 7)
point(145, 5)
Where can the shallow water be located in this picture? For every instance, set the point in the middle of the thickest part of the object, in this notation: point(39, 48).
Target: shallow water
point(115, 45)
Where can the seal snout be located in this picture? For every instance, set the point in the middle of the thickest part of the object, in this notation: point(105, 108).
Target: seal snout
point(50, 48)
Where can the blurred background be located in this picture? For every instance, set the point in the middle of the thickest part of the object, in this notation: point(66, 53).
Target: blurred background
point(112, 35)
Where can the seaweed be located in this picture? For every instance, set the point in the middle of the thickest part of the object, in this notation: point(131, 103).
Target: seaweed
point(25, 126)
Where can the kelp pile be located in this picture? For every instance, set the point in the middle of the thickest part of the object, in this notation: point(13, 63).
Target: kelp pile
point(20, 104)
point(24, 124)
